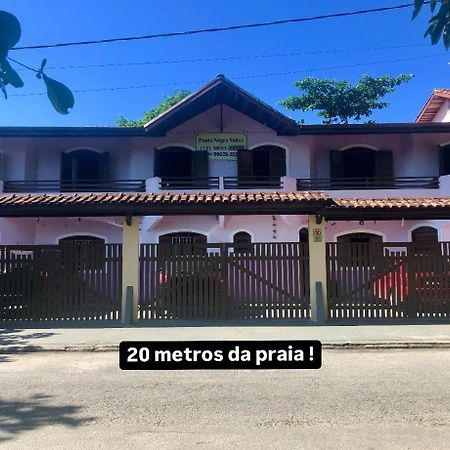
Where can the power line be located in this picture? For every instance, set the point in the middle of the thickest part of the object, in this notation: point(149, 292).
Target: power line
point(216, 29)
point(275, 74)
point(226, 58)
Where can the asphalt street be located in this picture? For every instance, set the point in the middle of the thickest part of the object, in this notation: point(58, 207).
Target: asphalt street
point(374, 399)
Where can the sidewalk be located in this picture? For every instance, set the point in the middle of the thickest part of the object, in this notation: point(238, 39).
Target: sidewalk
point(339, 337)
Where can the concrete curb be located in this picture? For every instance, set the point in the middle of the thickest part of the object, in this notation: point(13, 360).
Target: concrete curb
point(382, 345)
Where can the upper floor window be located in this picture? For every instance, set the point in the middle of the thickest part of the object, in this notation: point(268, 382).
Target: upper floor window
point(83, 164)
point(180, 162)
point(361, 162)
point(444, 160)
point(263, 161)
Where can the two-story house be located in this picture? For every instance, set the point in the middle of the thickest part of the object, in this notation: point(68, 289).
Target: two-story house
point(225, 170)
point(222, 139)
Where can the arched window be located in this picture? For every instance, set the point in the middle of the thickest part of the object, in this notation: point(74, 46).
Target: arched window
point(82, 239)
point(180, 162)
point(362, 163)
point(444, 160)
point(184, 242)
point(183, 237)
point(83, 252)
point(359, 249)
point(425, 240)
point(303, 235)
point(84, 165)
point(242, 242)
point(425, 235)
point(264, 161)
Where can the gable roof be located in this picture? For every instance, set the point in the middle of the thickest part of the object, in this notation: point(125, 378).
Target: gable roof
point(221, 91)
point(433, 104)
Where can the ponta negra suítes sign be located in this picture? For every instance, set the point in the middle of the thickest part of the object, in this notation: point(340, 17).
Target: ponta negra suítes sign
point(194, 355)
point(221, 145)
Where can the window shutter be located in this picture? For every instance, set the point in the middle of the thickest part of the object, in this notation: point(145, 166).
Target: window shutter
point(66, 166)
point(157, 163)
point(199, 163)
point(336, 164)
point(2, 166)
point(443, 169)
point(103, 166)
point(245, 163)
point(384, 164)
point(277, 162)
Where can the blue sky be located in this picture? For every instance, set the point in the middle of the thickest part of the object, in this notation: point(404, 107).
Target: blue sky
point(328, 44)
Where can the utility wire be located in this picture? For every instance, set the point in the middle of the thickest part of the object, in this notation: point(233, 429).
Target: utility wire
point(224, 58)
point(216, 29)
point(275, 74)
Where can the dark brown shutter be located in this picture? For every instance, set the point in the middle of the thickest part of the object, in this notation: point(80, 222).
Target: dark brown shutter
point(66, 166)
point(103, 166)
point(442, 161)
point(336, 164)
point(157, 163)
point(384, 164)
point(277, 162)
point(199, 163)
point(245, 163)
point(2, 166)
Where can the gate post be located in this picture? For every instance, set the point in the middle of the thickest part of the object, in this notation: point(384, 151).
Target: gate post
point(130, 265)
point(317, 268)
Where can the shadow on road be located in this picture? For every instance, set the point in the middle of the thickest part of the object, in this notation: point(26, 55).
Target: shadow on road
point(19, 338)
point(18, 416)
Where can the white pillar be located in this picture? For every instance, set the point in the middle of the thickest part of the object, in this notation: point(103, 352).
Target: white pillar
point(317, 267)
point(130, 264)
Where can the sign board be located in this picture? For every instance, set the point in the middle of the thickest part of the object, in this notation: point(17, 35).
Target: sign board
point(222, 145)
point(317, 234)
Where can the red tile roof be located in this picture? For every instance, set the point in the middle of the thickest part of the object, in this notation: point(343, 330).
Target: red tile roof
point(390, 203)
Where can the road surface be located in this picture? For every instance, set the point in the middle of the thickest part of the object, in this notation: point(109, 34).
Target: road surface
point(396, 399)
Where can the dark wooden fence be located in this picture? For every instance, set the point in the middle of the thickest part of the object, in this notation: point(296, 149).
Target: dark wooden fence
point(258, 281)
point(395, 280)
point(70, 281)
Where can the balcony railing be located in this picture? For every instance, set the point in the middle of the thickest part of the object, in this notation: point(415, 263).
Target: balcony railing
point(176, 183)
point(252, 182)
point(74, 186)
point(306, 184)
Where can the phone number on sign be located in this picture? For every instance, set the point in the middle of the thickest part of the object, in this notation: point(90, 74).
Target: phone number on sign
point(228, 154)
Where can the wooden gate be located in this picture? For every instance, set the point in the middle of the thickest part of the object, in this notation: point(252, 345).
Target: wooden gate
point(70, 281)
point(388, 280)
point(224, 281)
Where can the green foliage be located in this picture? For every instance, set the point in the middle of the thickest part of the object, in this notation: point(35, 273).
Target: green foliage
point(439, 24)
point(60, 95)
point(168, 102)
point(339, 101)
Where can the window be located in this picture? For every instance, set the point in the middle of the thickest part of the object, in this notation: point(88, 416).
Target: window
point(264, 161)
point(425, 240)
point(303, 235)
point(360, 162)
point(180, 162)
point(242, 242)
point(84, 165)
point(359, 249)
point(83, 252)
point(444, 160)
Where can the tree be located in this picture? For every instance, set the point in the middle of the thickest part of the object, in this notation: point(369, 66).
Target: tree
point(168, 102)
point(439, 24)
point(338, 101)
point(60, 95)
